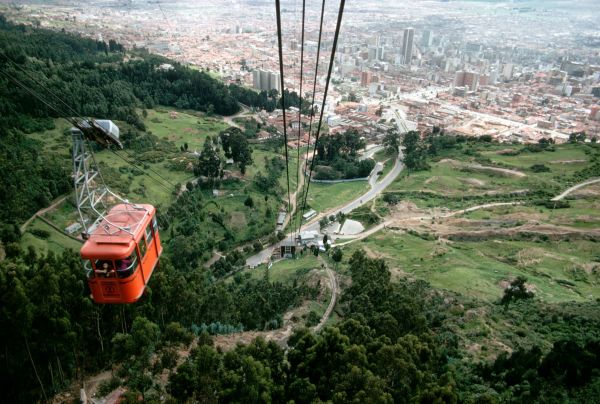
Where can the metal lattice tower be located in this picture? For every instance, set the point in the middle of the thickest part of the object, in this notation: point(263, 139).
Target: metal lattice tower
point(90, 190)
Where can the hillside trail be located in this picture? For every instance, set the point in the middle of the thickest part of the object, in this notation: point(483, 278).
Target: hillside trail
point(281, 335)
point(333, 284)
point(394, 221)
point(41, 212)
point(575, 188)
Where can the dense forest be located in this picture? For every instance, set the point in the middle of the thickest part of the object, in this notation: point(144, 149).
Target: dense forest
point(395, 341)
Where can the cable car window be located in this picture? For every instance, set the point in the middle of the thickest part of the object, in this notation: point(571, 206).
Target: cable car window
point(154, 224)
point(142, 246)
point(149, 235)
point(126, 266)
point(104, 268)
point(87, 266)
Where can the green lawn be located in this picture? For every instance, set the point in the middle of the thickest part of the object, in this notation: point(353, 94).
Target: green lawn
point(323, 197)
point(287, 270)
point(477, 269)
point(185, 128)
point(56, 242)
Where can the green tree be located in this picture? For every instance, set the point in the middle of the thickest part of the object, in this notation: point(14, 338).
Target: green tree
point(391, 141)
point(517, 291)
point(209, 163)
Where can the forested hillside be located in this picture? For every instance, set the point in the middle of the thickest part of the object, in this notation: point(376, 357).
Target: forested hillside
point(83, 77)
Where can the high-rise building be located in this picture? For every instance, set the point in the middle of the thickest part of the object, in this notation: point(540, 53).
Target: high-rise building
point(365, 79)
point(507, 71)
point(372, 53)
point(595, 113)
point(265, 81)
point(427, 39)
point(467, 79)
point(407, 45)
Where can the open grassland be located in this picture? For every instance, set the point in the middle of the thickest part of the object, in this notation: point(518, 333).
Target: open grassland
point(287, 271)
point(323, 197)
point(581, 213)
point(558, 271)
point(182, 127)
point(55, 242)
point(483, 172)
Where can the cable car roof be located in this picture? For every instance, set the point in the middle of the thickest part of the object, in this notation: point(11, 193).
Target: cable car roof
point(116, 235)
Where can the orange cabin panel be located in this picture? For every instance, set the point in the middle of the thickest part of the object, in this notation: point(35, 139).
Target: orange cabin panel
point(122, 253)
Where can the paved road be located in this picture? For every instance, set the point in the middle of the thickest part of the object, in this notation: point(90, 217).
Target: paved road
point(370, 153)
point(371, 194)
point(376, 189)
point(575, 188)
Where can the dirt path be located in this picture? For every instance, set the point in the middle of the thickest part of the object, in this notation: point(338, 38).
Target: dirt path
point(281, 335)
point(575, 188)
point(506, 171)
point(41, 212)
point(333, 285)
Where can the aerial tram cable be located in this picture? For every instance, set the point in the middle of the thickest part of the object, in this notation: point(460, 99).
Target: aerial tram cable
point(333, 50)
point(293, 219)
point(312, 112)
point(283, 106)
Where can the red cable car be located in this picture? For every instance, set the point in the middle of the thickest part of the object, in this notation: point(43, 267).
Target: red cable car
point(121, 253)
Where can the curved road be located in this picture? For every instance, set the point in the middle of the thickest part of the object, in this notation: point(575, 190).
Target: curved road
point(575, 188)
point(376, 189)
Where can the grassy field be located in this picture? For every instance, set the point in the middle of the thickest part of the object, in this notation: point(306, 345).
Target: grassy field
point(286, 271)
point(582, 213)
point(322, 197)
point(563, 162)
point(559, 271)
point(183, 127)
point(56, 242)
point(458, 176)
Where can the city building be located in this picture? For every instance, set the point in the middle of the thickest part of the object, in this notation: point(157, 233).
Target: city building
point(407, 45)
point(265, 80)
point(427, 39)
point(467, 79)
point(365, 79)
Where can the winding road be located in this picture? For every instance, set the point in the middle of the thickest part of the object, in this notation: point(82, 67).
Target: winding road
point(575, 188)
point(376, 189)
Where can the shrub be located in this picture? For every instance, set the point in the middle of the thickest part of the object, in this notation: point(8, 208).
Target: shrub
point(539, 168)
point(39, 233)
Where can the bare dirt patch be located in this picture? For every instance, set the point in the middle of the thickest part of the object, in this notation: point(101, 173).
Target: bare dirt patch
point(508, 152)
point(495, 170)
point(238, 220)
point(432, 179)
point(473, 181)
point(566, 161)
